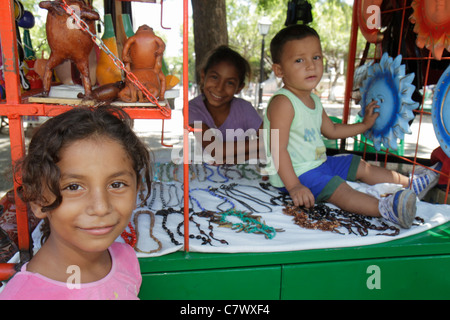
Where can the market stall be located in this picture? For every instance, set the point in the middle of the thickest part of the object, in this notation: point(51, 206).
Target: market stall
point(222, 232)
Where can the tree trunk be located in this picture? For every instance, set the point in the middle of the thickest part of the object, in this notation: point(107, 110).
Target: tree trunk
point(210, 29)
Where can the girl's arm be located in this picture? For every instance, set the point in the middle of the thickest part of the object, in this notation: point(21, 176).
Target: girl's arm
point(231, 152)
point(243, 150)
point(333, 130)
point(281, 114)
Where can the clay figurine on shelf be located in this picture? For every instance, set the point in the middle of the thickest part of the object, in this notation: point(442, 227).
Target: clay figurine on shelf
point(67, 41)
point(142, 55)
point(104, 94)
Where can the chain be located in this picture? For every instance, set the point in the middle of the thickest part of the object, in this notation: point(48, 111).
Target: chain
point(131, 77)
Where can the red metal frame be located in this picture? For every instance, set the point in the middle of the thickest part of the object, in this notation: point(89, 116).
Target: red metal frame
point(186, 126)
point(16, 106)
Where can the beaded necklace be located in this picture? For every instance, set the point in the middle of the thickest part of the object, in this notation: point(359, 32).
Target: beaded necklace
point(175, 173)
point(203, 235)
point(244, 168)
point(326, 218)
point(165, 213)
point(212, 192)
point(152, 224)
point(209, 215)
point(250, 223)
point(130, 237)
point(209, 177)
point(231, 191)
point(196, 172)
point(227, 168)
point(206, 238)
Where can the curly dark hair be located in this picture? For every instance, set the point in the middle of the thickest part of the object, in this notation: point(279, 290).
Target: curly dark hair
point(39, 170)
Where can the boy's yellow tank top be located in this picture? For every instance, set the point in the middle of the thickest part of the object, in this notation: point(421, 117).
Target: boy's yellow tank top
point(305, 146)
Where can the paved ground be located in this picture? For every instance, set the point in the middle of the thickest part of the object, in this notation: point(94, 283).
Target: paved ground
point(150, 131)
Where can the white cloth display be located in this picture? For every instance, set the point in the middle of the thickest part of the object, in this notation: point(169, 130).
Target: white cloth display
point(293, 237)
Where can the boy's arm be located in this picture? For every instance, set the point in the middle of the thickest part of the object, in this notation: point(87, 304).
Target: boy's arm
point(333, 130)
point(281, 114)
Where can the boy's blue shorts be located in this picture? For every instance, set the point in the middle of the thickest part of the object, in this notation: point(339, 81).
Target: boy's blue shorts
point(324, 180)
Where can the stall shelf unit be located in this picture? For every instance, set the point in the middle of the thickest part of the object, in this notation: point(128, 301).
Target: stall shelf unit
point(414, 267)
point(17, 106)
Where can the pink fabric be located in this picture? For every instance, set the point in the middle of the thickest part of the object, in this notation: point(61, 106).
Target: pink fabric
point(121, 283)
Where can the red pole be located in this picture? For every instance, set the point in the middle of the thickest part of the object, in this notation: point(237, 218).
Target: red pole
point(351, 64)
point(9, 51)
point(12, 86)
point(186, 123)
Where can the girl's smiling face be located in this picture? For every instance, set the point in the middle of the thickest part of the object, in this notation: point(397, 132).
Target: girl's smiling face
point(220, 84)
point(99, 189)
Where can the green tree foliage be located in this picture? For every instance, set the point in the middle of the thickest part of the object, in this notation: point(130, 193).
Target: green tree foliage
point(331, 18)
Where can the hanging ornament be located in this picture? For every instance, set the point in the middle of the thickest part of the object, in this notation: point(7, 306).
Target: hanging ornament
point(27, 20)
point(387, 83)
point(440, 111)
point(369, 21)
point(432, 25)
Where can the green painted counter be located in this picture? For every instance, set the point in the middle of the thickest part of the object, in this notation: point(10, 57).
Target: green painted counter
point(415, 267)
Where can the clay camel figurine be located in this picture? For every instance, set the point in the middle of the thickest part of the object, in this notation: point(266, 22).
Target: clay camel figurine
point(68, 41)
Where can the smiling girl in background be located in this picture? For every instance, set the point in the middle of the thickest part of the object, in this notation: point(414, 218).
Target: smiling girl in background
point(217, 108)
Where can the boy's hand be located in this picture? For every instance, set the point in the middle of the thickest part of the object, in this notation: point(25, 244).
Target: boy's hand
point(302, 196)
point(370, 115)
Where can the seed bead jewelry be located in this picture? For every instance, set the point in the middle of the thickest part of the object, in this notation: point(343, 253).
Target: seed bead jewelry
point(324, 218)
point(169, 171)
point(209, 215)
point(212, 192)
point(211, 173)
point(174, 187)
point(222, 191)
point(228, 168)
point(175, 173)
point(165, 213)
point(196, 174)
point(130, 237)
point(244, 168)
point(161, 196)
point(231, 189)
point(192, 173)
point(152, 224)
point(202, 236)
point(250, 223)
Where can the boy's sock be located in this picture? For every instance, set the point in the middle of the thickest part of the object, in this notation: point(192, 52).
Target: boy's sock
point(424, 179)
point(399, 208)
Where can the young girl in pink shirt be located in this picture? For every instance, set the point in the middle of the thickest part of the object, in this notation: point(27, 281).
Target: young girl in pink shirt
point(82, 175)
